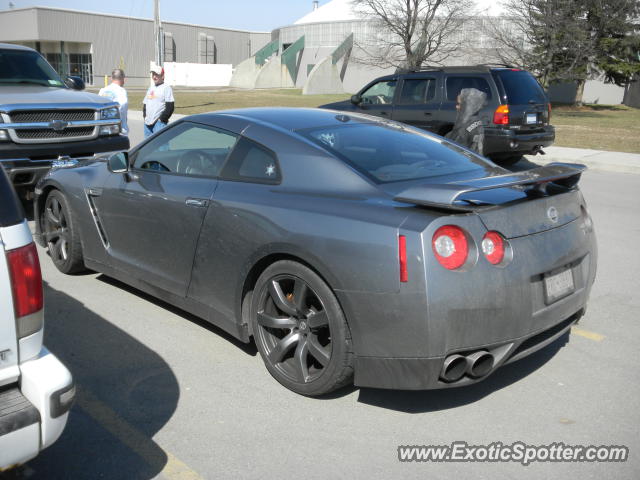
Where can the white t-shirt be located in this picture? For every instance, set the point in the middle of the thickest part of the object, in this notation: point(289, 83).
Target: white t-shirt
point(155, 99)
point(118, 94)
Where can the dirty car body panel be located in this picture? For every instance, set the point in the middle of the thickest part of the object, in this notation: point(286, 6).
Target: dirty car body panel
point(337, 195)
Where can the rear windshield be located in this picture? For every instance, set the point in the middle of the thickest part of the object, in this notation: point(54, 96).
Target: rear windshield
point(11, 211)
point(521, 88)
point(389, 153)
point(26, 67)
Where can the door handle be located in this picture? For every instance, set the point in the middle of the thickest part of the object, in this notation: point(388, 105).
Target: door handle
point(196, 202)
point(383, 113)
point(428, 114)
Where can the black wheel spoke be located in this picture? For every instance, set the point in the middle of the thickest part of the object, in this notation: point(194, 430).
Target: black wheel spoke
point(51, 217)
point(280, 299)
point(300, 360)
point(299, 296)
point(317, 319)
point(270, 321)
point(317, 351)
point(282, 347)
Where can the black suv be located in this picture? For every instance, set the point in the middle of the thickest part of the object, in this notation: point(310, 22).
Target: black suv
point(516, 116)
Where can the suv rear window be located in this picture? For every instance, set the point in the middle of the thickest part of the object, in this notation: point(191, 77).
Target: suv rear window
point(11, 212)
point(521, 87)
point(392, 154)
point(455, 84)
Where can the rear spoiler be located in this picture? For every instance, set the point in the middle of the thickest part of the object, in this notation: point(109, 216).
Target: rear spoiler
point(446, 194)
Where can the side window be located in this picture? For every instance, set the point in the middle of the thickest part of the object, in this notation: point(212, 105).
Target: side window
point(417, 91)
point(251, 162)
point(187, 149)
point(455, 84)
point(379, 93)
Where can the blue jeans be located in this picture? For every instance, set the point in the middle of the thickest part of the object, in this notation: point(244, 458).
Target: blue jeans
point(156, 127)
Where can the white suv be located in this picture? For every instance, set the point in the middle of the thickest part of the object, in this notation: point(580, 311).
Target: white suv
point(36, 389)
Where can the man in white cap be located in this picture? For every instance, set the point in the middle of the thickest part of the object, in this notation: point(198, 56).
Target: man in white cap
point(116, 92)
point(158, 103)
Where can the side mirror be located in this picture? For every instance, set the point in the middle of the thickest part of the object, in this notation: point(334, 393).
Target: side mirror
point(356, 99)
point(75, 83)
point(118, 162)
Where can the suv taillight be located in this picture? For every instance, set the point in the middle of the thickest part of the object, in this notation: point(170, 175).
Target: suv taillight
point(26, 285)
point(549, 115)
point(501, 115)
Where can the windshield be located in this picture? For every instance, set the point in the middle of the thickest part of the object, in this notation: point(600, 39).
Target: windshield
point(390, 153)
point(26, 67)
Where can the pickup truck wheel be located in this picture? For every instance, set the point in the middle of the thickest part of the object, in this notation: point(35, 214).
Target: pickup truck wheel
point(61, 234)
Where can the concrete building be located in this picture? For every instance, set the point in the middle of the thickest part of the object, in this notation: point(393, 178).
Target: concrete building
point(91, 45)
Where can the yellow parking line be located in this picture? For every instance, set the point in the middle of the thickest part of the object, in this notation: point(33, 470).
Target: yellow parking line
point(587, 334)
point(166, 463)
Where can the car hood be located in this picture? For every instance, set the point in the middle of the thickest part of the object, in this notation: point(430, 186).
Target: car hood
point(14, 95)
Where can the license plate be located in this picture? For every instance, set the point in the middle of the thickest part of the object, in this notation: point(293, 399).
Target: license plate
point(532, 118)
point(558, 285)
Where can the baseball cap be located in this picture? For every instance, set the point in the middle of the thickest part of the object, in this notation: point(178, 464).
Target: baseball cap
point(157, 69)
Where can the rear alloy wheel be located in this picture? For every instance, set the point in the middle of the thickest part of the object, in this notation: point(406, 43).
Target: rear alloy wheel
point(300, 330)
point(61, 235)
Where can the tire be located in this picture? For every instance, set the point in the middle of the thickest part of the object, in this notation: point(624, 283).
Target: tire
point(300, 330)
point(60, 232)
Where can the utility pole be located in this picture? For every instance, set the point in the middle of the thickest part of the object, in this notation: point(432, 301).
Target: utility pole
point(157, 32)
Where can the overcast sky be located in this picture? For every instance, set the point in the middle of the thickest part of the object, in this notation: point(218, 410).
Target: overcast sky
point(261, 15)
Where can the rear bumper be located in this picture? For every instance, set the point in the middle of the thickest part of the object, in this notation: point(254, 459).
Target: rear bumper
point(36, 411)
point(423, 373)
point(500, 142)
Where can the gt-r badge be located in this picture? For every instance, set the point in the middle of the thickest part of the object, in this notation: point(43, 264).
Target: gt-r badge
point(552, 214)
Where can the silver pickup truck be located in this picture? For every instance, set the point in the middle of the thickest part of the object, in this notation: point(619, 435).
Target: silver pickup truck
point(44, 120)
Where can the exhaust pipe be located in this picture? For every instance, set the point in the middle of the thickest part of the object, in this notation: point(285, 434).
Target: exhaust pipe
point(453, 368)
point(479, 364)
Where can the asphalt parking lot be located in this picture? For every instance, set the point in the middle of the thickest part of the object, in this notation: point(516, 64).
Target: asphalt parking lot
point(163, 394)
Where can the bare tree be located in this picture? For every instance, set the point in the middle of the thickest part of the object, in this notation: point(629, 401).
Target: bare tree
point(409, 33)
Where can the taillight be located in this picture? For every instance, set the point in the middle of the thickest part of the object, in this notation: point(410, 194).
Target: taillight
point(493, 247)
point(402, 258)
point(549, 112)
point(450, 246)
point(501, 115)
point(26, 280)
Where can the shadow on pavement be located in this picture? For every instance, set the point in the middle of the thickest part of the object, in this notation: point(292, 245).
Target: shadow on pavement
point(126, 394)
point(433, 400)
point(248, 348)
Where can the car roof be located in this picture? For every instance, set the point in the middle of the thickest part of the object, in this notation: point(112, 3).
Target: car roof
point(290, 118)
point(11, 46)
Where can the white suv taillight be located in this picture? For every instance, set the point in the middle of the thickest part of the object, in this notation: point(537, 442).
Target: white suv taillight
point(26, 285)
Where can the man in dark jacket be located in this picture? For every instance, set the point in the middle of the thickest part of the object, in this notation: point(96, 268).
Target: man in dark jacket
point(468, 129)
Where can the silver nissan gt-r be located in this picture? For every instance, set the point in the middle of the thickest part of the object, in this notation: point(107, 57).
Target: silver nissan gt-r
point(351, 249)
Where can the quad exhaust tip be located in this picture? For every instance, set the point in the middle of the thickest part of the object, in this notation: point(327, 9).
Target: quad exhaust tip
point(479, 364)
point(453, 368)
point(475, 365)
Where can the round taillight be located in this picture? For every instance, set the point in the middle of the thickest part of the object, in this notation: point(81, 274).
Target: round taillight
point(450, 246)
point(493, 247)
